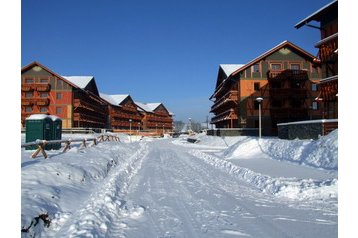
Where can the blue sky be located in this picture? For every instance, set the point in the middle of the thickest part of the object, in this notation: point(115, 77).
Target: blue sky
point(159, 51)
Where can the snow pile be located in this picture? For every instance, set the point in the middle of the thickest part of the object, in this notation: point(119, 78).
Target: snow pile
point(321, 153)
point(48, 185)
point(293, 188)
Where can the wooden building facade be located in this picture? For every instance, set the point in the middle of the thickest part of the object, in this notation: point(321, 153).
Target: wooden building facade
point(77, 101)
point(45, 92)
point(155, 117)
point(327, 16)
point(122, 112)
point(285, 77)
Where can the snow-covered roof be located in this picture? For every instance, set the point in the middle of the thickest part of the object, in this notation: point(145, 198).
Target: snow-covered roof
point(272, 50)
point(38, 117)
point(229, 68)
point(116, 99)
point(80, 81)
point(315, 14)
point(148, 107)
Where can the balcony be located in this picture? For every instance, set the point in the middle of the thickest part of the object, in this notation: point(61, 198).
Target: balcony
point(78, 103)
point(42, 101)
point(27, 102)
point(227, 115)
point(231, 96)
point(26, 87)
point(327, 48)
point(285, 93)
point(43, 87)
point(287, 74)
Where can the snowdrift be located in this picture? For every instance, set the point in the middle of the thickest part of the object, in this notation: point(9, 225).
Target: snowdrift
point(321, 153)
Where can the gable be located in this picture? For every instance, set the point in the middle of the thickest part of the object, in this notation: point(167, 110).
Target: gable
point(38, 73)
point(92, 87)
point(283, 48)
point(161, 110)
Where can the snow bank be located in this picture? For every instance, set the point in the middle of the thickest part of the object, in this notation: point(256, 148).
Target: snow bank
point(292, 188)
point(321, 153)
point(57, 186)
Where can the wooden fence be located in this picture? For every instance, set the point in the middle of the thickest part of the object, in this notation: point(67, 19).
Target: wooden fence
point(42, 143)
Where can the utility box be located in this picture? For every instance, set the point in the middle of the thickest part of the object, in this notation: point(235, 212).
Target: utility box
point(38, 127)
point(56, 131)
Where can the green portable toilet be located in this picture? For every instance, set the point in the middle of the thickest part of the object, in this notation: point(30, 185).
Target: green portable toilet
point(38, 127)
point(56, 131)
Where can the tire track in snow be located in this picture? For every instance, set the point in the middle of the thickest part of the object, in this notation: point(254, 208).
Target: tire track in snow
point(99, 215)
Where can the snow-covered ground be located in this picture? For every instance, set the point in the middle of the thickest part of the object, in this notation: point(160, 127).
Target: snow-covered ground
point(217, 187)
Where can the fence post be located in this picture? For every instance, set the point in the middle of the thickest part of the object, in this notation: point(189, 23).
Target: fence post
point(84, 143)
point(42, 149)
point(67, 146)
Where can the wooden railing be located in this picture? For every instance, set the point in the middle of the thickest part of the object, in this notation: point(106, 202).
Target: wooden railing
point(42, 143)
point(228, 97)
point(88, 106)
point(296, 74)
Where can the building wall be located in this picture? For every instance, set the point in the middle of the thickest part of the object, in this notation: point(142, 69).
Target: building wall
point(248, 114)
point(59, 95)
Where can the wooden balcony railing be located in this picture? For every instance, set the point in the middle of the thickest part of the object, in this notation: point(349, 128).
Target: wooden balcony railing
point(42, 87)
point(284, 93)
point(26, 87)
point(231, 96)
point(327, 48)
point(78, 103)
point(226, 115)
point(27, 102)
point(287, 74)
point(42, 101)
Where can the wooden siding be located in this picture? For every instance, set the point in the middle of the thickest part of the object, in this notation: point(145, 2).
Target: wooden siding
point(244, 113)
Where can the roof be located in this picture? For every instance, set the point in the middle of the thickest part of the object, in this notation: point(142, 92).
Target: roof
point(116, 99)
point(269, 52)
point(229, 68)
point(48, 70)
point(317, 14)
point(148, 107)
point(80, 81)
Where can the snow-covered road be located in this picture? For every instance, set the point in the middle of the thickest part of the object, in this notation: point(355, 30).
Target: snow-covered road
point(165, 189)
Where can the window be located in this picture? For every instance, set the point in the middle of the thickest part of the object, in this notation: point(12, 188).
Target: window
point(43, 109)
point(256, 105)
point(28, 109)
point(276, 66)
point(314, 87)
point(29, 95)
point(43, 95)
point(314, 70)
point(314, 105)
point(59, 83)
point(257, 86)
point(29, 80)
point(58, 96)
point(43, 80)
point(256, 68)
point(58, 110)
point(295, 66)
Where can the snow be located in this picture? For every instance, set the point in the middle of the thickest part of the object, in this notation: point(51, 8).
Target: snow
point(148, 107)
point(37, 117)
point(116, 99)
point(230, 68)
point(80, 81)
point(166, 187)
